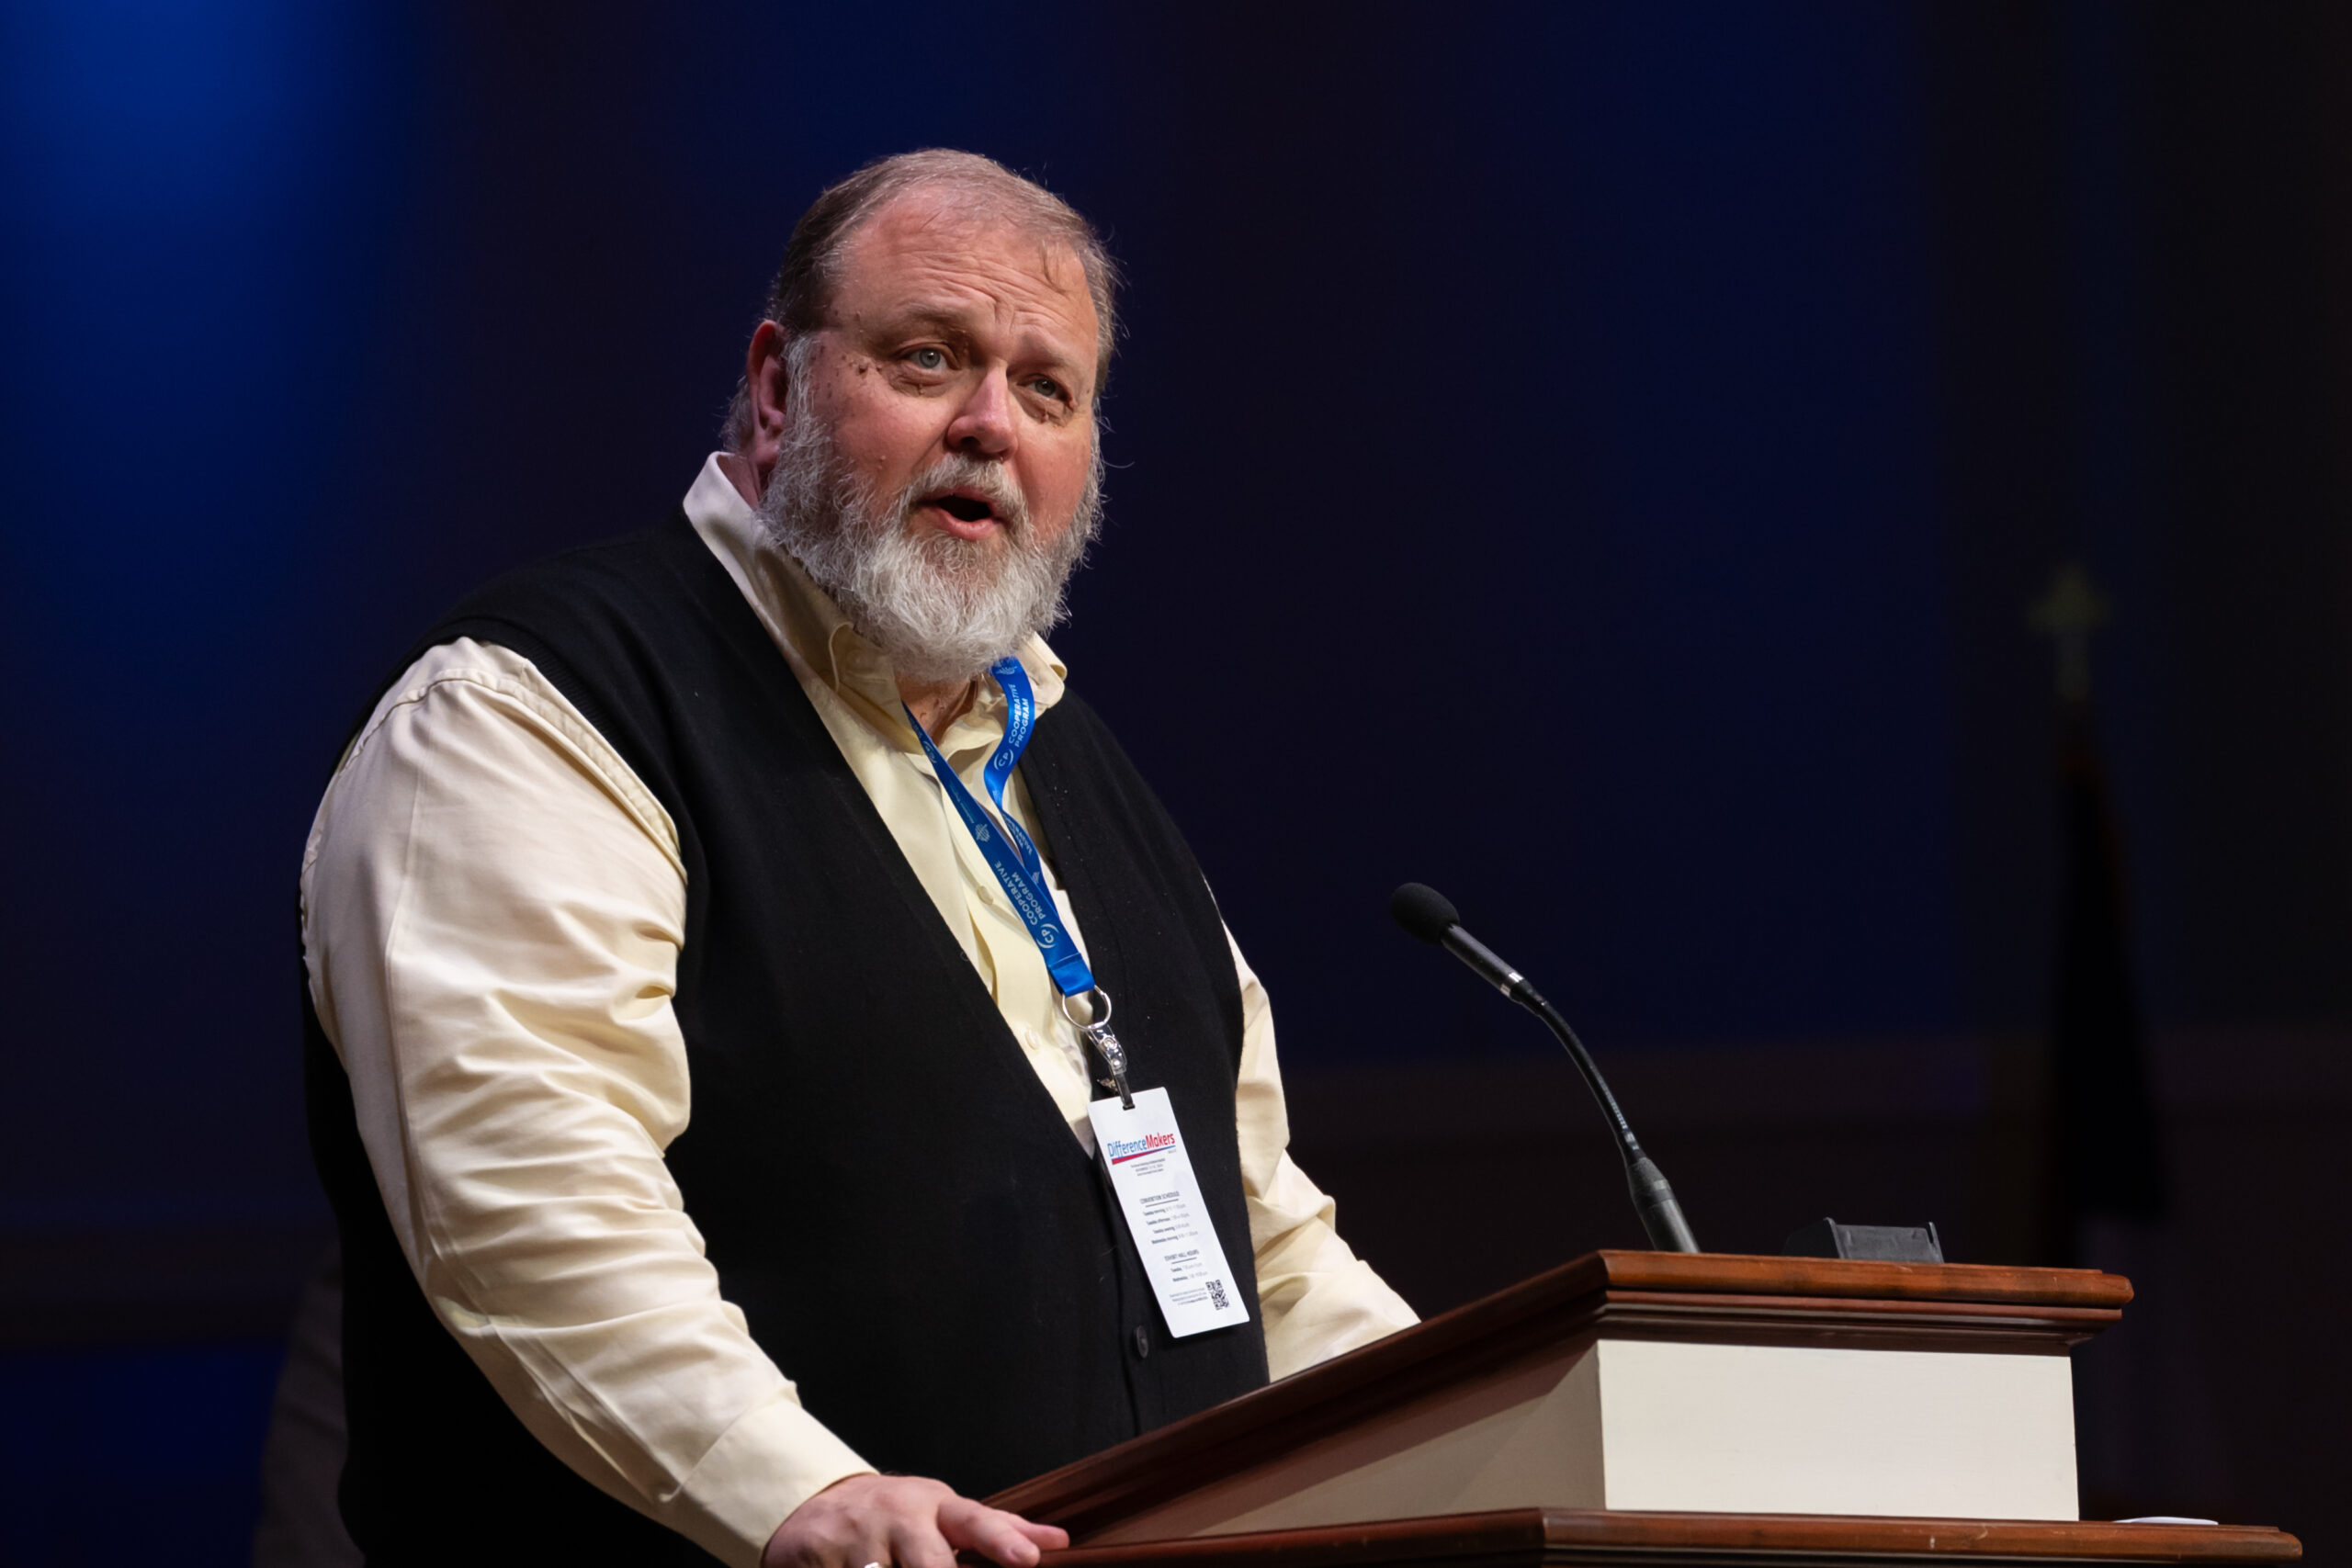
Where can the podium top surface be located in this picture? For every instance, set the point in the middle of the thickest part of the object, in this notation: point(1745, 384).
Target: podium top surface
point(1711, 1297)
point(1588, 1538)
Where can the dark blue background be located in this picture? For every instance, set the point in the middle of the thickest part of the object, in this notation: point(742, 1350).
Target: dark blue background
point(1593, 458)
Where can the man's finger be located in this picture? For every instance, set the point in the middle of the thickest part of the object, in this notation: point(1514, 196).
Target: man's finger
point(1001, 1537)
point(915, 1543)
point(1053, 1537)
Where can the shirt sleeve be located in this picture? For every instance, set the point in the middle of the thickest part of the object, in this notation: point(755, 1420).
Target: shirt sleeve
point(1315, 1298)
point(492, 908)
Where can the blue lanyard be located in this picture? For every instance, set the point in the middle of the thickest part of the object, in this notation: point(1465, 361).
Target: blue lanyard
point(1018, 870)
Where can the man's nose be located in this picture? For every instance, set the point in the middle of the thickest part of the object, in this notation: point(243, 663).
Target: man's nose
point(983, 426)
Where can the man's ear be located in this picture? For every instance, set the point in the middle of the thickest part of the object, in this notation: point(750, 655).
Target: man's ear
point(766, 389)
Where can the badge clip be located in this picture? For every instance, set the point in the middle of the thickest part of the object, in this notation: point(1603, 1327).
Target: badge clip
point(1106, 1045)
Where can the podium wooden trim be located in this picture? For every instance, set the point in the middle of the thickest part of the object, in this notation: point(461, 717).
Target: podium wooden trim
point(1525, 1538)
point(1705, 1297)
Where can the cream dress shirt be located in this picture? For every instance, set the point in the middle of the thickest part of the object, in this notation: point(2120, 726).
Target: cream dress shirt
point(493, 906)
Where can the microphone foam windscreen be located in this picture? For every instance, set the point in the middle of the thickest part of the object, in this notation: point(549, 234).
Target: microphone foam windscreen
point(1423, 911)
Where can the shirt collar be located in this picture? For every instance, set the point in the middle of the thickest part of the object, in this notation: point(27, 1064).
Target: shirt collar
point(816, 638)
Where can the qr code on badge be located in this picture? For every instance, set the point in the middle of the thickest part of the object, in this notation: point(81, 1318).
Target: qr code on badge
point(1216, 1294)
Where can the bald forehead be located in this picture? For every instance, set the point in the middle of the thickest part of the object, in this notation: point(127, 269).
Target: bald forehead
point(951, 216)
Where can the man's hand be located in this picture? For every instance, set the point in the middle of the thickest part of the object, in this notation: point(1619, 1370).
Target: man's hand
point(902, 1520)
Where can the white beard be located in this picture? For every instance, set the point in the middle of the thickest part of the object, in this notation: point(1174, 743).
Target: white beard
point(940, 607)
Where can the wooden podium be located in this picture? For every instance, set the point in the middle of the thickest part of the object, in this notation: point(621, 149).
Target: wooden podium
point(1654, 1408)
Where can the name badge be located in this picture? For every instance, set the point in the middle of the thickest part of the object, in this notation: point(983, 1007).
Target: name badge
point(1153, 1177)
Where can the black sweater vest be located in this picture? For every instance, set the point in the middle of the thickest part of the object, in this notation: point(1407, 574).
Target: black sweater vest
point(886, 1189)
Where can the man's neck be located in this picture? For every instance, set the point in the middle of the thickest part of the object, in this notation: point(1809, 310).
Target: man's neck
point(937, 704)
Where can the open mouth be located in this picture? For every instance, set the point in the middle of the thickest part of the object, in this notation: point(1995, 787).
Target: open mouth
point(961, 514)
point(964, 508)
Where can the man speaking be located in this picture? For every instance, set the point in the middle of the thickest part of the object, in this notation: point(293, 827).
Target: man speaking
point(732, 951)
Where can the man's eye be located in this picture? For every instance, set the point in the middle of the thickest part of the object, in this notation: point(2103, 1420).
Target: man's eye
point(929, 358)
point(1046, 386)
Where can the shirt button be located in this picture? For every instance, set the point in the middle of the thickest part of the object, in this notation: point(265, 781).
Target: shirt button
point(1143, 1341)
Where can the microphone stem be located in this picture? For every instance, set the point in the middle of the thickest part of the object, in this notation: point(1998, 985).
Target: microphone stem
point(1428, 916)
point(1533, 1001)
point(1654, 1200)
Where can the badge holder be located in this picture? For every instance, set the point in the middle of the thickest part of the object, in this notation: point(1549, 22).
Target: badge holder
point(1141, 1148)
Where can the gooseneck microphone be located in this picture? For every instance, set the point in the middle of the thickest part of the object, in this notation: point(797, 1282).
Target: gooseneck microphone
point(1424, 912)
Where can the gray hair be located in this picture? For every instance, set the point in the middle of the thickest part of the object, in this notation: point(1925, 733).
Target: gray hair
point(800, 299)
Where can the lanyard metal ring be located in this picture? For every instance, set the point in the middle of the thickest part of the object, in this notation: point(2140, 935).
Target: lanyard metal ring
point(1098, 1034)
point(1098, 1005)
